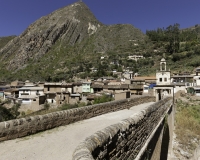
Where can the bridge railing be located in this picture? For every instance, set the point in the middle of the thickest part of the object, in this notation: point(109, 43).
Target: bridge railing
point(125, 139)
point(29, 125)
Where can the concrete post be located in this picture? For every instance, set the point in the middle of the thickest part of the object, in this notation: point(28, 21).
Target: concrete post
point(157, 95)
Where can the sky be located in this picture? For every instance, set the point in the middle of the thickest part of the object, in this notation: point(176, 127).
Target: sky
point(17, 15)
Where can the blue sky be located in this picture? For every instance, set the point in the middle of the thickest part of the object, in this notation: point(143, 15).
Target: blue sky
point(17, 15)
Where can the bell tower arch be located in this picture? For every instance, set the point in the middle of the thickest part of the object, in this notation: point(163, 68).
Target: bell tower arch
point(163, 65)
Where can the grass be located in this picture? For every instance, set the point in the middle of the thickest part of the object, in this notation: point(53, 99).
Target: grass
point(188, 124)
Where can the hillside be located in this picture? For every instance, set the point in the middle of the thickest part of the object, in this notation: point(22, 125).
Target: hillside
point(180, 47)
point(70, 41)
point(61, 41)
point(5, 40)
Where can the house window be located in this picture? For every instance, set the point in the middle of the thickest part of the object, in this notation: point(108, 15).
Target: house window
point(37, 92)
point(165, 79)
point(197, 91)
point(160, 79)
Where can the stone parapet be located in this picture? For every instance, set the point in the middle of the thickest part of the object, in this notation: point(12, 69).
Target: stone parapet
point(125, 139)
point(29, 125)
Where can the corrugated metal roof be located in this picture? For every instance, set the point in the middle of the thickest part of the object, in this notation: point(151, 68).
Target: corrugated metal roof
point(133, 86)
point(77, 83)
point(11, 90)
point(28, 97)
point(75, 95)
point(182, 76)
point(144, 78)
point(114, 86)
point(52, 84)
point(124, 86)
point(31, 88)
point(49, 92)
point(96, 86)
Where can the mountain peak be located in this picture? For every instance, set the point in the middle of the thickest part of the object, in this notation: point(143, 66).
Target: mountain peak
point(68, 35)
point(71, 24)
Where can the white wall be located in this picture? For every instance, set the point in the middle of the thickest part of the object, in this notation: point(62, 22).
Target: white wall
point(145, 89)
point(165, 76)
point(26, 91)
point(31, 92)
point(180, 88)
point(50, 101)
point(28, 101)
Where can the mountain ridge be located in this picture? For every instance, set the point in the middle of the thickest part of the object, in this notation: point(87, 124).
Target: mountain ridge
point(38, 38)
point(70, 25)
point(72, 29)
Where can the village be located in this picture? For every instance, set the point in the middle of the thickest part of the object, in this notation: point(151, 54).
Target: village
point(33, 95)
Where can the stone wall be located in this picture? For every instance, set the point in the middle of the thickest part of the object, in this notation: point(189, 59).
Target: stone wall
point(30, 125)
point(125, 139)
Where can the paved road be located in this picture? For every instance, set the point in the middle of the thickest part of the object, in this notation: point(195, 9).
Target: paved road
point(59, 143)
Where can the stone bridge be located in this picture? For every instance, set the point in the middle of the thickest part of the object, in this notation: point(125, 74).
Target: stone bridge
point(143, 132)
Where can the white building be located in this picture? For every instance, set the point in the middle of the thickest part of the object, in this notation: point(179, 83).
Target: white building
point(135, 57)
point(30, 94)
point(163, 76)
point(163, 86)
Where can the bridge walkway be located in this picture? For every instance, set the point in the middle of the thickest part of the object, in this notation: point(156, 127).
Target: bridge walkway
point(59, 143)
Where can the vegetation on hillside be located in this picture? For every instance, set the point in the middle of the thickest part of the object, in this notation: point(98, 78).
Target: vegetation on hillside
point(55, 48)
point(180, 47)
point(5, 40)
point(176, 40)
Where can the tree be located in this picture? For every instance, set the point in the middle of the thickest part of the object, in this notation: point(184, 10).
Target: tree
point(14, 110)
point(171, 35)
point(5, 114)
point(173, 38)
point(46, 106)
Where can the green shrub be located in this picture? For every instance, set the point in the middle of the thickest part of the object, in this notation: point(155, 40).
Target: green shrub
point(14, 110)
point(46, 106)
point(5, 114)
point(102, 99)
point(68, 106)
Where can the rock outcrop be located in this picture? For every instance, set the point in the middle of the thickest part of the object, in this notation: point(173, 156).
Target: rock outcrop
point(55, 41)
point(70, 24)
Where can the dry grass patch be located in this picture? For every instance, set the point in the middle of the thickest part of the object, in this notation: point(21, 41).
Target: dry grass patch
point(188, 125)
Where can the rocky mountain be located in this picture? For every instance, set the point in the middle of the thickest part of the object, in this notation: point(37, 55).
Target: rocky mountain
point(71, 24)
point(73, 30)
point(5, 40)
